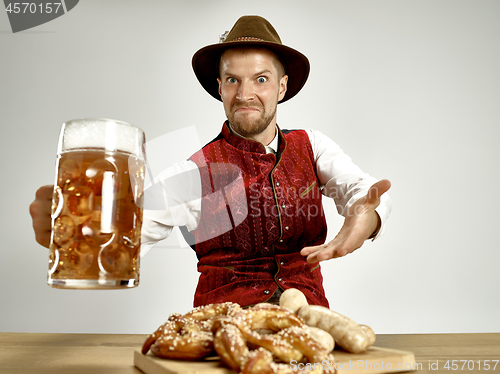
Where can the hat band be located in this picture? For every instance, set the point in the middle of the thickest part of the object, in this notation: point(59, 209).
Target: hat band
point(247, 39)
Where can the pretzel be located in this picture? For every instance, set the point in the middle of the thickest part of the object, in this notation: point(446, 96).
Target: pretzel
point(181, 338)
point(231, 346)
point(247, 340)
point(289, 341)
point(260, 361)
point(188, 337)
point(207, 312)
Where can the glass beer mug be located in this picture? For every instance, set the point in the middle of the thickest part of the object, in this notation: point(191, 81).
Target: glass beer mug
point(97, 205)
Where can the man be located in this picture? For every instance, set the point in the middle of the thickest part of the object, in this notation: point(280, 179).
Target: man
point(259, 227)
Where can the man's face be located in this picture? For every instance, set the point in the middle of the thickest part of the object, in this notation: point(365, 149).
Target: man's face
point(251, 83)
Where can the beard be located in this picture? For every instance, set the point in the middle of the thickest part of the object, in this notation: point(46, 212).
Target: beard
point(248, 126)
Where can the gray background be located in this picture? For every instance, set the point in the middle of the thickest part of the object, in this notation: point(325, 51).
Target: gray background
point(410, 90)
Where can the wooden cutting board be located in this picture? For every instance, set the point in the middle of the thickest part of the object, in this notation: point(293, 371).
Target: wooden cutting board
point(374, 360)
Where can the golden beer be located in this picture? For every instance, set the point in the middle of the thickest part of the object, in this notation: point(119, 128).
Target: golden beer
point(96, 219)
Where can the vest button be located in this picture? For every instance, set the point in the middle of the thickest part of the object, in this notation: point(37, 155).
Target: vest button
point(283, 206)
point(281, 240)
point(277, 183)
point(280, 279)
point(287, 228)
point(266, 292)
point(282, 263)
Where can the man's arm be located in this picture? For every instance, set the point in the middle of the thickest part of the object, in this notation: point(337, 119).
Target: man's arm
point(158, 220)
point(356, 196)
point(361, 223)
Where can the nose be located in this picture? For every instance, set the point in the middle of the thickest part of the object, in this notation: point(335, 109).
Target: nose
point(245, 91)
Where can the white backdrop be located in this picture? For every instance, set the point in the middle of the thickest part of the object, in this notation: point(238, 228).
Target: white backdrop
point(410, 90)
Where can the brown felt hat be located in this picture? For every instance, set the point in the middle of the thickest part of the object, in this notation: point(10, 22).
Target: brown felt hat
point(250, 31)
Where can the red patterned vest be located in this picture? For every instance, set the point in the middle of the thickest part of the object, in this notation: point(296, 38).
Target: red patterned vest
point(258, 211)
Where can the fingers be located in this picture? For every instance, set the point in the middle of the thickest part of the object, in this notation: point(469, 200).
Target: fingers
point(306, 251)
point(43, 238)
point(318, 256)
point(44, 192)
point(40, 213)
point(361, 222)
point(350, 237)
point(312, 252)
point(326, 251)
point(326, 254)
point(40, 207)
point(377, 190)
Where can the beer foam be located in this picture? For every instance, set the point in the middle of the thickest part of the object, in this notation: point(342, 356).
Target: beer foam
point(107, 134)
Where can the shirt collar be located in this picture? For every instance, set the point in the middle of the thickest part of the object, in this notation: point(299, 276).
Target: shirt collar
point(270, 148)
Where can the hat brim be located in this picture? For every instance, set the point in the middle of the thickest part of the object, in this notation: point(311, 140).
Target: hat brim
point(206, 61)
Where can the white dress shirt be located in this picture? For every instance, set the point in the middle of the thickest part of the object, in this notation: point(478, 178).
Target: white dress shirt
point(339, 179)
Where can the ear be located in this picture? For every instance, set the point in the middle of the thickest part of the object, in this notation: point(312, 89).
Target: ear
point(283, 86)
point(220, 84)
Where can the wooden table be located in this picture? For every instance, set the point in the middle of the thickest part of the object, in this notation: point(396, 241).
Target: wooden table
point(111, 353)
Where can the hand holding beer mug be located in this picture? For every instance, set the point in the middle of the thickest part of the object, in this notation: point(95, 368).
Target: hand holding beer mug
point(97, 205)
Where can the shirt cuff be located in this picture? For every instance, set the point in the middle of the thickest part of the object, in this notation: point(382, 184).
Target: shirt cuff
point(383, 211)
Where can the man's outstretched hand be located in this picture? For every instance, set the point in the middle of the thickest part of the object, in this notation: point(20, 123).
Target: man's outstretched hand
point(360, 223)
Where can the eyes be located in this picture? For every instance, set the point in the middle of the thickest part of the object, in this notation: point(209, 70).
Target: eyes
point(233, 80)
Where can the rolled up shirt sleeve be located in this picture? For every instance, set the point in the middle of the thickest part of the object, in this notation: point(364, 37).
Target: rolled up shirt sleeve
point(173, 199)
point(342, 180)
